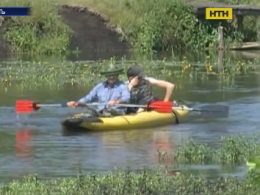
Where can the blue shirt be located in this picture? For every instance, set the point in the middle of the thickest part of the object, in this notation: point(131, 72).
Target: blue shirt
point(103, 93)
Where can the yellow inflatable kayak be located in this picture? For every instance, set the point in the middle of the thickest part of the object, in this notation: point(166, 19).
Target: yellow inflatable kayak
point(141, 120)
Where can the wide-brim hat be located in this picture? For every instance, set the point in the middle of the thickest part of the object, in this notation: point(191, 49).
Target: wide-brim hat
point(112, 70)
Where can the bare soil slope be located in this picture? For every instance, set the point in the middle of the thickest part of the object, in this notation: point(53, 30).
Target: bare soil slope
point(90, 31)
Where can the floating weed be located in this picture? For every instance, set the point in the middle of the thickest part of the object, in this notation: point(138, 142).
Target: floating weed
point(35, 74)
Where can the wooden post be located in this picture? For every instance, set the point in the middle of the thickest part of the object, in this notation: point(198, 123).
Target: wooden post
point(240, 23)
point(220, 38)
point(220, 48)
point(220, 60)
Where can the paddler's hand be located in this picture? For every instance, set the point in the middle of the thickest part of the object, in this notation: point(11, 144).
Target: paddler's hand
point(134, 81)
point(113, 103)
point(72, 104)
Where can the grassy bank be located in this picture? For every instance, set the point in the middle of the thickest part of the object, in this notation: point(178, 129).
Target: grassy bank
point(144, 183)
point(159, 25)
point(42, 32)
point(154, 25)
point(146, 24)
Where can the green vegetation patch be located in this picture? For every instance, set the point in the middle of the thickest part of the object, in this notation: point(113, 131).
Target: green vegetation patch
point(42, 32)
point(169, 24)
point(160, 180)
point(148, 25)
point(152, 182)
point(231, 150)
point(83, 73)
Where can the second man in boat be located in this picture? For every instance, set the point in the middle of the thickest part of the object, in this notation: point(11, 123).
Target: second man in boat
point(141, 88)
point(137, 90)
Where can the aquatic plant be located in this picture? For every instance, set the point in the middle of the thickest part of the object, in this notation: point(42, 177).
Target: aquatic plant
point(231, 150)
point(80, 73)
point(152, 182)
point(254, 169)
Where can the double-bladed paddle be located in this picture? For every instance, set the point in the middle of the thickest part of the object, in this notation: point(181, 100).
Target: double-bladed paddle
point(219, 111)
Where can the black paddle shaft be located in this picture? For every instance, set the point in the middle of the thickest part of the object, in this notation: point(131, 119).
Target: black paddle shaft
point(214, 111)
point(38, 105)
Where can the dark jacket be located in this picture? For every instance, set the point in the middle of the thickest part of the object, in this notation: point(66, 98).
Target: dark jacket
point(141, 94)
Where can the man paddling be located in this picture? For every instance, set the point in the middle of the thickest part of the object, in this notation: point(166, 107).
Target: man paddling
point(141, 88)
point(112, 91)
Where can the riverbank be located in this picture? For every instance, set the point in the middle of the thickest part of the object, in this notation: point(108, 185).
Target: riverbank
point(113, 25)
point(127, 182)
point(55, 29)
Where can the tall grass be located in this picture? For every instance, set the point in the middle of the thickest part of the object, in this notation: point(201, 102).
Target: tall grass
point(42, 32)
point(154, 25)
point(146, 182)
point(167, 24)
point(147, 24)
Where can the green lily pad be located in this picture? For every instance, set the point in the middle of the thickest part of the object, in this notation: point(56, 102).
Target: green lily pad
point(253, 163)
point(250, 165)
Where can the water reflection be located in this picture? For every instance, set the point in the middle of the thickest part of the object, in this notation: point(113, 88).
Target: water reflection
point(162, 148)
point(23, 146)
point(23, 151)
point(137, 148)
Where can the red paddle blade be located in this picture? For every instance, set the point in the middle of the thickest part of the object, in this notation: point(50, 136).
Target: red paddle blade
point(24, 106)
point(162, 107)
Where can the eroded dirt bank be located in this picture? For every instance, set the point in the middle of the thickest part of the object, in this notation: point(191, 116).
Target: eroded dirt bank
point(90, 30)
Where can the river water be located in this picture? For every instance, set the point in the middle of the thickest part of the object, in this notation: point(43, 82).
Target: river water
point(36, 143)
